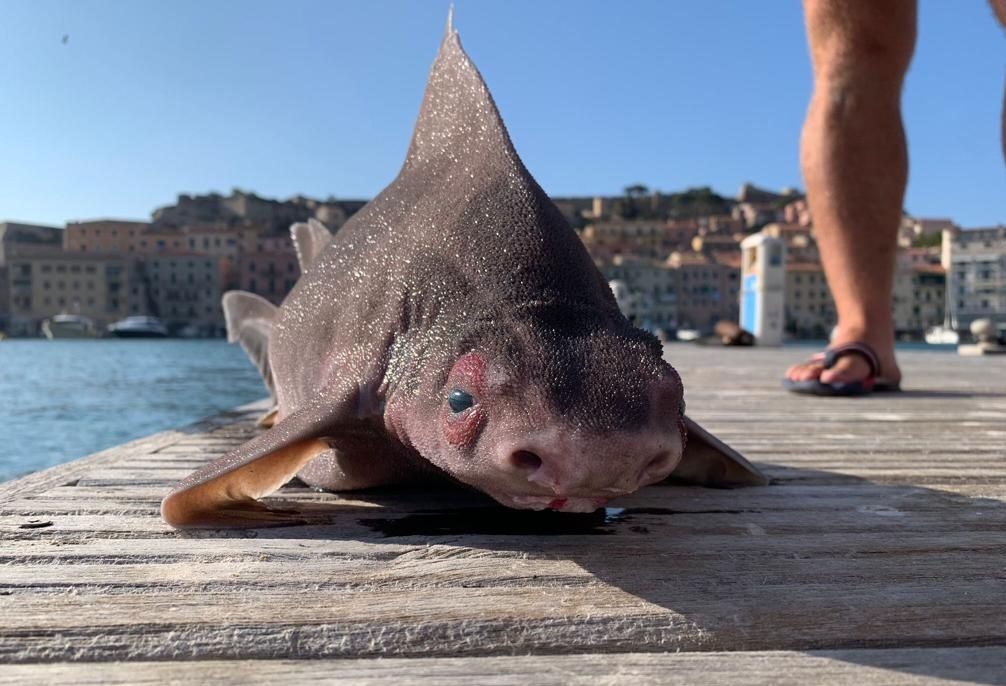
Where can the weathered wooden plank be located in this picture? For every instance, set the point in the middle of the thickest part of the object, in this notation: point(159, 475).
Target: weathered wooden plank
point(907, 667)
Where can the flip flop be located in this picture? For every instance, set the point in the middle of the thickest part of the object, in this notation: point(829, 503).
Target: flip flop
point(871, 384)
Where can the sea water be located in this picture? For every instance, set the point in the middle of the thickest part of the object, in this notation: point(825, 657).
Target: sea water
point(60, 400)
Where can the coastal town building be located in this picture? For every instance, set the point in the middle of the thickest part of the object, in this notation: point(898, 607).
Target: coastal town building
point(648, 238)
point(183, 290)
point(269, 267)
point(757, 206)
point(810, 310)
point(708, 288)
point(43, 285)
point(914, 230)
point(103, 236)
point(248, 209)
point(646, 290)
point(18, 239)
point(919, 298)
point(975, 260)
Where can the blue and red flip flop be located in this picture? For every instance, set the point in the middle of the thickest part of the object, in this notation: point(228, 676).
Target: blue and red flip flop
point(871, 384)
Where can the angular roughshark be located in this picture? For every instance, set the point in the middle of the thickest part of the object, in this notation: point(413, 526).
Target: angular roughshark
point(454, 326)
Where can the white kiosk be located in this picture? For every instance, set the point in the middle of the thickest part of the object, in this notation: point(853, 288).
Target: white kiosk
point(763, 287)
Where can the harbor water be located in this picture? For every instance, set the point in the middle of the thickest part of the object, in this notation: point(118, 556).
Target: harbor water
point(65, 399)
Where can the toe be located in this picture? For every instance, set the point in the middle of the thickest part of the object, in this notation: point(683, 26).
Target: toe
point(807, 371)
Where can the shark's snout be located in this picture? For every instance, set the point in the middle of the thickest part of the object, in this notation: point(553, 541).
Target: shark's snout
point(560, 465)
point(588, 470)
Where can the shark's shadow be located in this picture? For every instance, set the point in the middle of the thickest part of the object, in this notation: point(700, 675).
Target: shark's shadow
point(818, 561)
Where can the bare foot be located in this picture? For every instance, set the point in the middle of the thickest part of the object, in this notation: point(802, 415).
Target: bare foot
point(849, 368)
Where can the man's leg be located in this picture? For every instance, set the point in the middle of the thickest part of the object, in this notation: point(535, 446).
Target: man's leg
point(855, 165)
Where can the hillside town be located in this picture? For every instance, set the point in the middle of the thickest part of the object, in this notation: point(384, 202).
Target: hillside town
point(673, 259)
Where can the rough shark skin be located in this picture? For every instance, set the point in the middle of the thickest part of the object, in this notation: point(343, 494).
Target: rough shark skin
point(454, 326)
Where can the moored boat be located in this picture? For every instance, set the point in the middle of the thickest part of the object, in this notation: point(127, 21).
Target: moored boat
point(140, 326)
point(937, 335)
point(68, 326)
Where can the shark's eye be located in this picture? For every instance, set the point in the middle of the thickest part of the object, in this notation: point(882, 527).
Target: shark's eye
point(459, 401)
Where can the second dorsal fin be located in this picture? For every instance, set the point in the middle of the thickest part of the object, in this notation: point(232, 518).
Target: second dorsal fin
point(249, 320)
point(309, 239)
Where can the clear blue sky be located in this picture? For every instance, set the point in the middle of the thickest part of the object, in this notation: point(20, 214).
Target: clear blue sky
point(147, 99)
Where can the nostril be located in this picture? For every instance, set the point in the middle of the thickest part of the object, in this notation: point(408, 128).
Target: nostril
point(525, 460)
point(657, 468)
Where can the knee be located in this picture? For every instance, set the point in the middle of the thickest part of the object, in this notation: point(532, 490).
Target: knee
point(863, 61)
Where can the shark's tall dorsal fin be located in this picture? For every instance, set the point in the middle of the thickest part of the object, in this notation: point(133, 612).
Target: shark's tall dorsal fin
point(459, 124)
point(249, 319)
point(309, 239)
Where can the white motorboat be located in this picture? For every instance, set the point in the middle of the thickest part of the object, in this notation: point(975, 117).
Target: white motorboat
point(140, 326)
point(937, 335)
point(68, 326)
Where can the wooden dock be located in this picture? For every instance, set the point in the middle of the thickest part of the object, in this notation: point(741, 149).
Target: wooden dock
point(878, 556)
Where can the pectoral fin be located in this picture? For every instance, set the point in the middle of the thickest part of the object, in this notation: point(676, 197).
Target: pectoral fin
point(708, 461)
point(225, 492)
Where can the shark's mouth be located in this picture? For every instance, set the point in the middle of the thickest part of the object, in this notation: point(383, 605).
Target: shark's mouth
point(557, 503)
